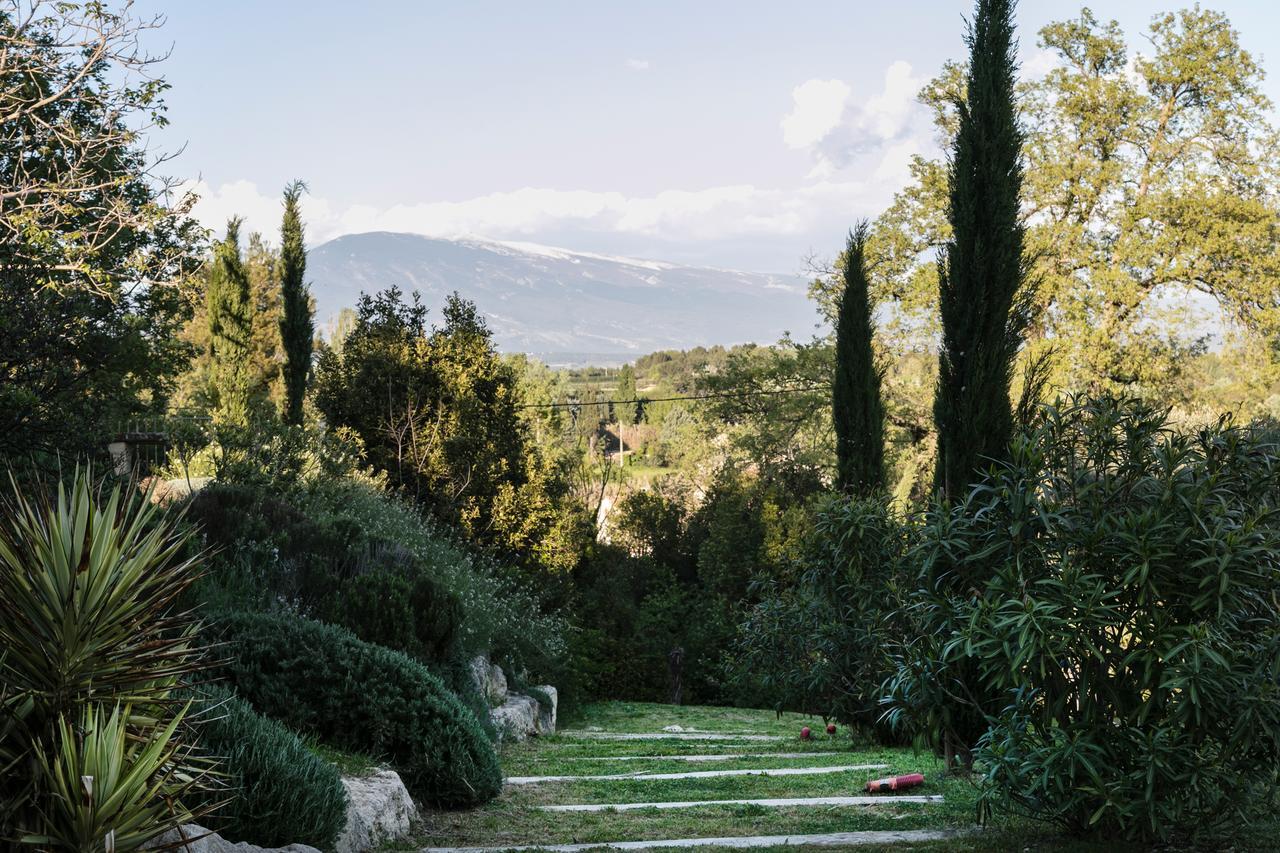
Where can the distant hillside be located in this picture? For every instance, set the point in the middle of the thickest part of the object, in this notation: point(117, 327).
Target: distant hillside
point(543, 300)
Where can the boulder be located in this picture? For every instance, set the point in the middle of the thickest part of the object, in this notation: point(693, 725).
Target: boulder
point(490, 681)
point(523, 716)
point(379, 809)
point(201, 840)
point(547, 716)
point(517, 718)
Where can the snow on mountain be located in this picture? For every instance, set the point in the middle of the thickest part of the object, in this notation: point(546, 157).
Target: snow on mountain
point(539, 299)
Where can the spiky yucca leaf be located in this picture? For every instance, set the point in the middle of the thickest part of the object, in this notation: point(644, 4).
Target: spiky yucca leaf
point(89, 616)
point(104, 787)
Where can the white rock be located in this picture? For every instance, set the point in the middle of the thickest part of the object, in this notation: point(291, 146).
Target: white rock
point(489, 679)
point(201, 840)
point(517, 718)
point(547, 716)
point(379, 809)
point(523, 716)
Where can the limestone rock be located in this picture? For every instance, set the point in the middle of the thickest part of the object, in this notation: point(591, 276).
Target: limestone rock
point(517, 718)
point(379, 809)
point(547, 716)
point(201, 840)
point(523, 716)
point(489, 680)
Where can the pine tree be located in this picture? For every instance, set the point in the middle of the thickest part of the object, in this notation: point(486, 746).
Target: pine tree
point(856, 408)
point(297, 329)
point(982, 298)
point(230, 307)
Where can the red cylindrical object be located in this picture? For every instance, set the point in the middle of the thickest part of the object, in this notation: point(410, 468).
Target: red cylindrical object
point(895, 783)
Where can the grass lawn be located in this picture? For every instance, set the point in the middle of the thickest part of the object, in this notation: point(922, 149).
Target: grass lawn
point(515, 819)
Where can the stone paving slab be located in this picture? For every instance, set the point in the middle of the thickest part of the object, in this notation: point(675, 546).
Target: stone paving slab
point(698, 774)
point(769, 803)
point(720, 756)
point(831, 839)
point(666, 736)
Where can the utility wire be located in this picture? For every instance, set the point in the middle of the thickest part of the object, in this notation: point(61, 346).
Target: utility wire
point(646, 400)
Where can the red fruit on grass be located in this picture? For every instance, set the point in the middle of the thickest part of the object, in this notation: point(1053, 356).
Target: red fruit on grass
point(831, 728)
point(805, 734)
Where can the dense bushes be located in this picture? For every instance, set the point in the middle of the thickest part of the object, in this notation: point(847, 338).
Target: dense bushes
point(1106, 602)
point(676, 576)
point(276, 791)
point(817, 644)
point(321, 679)
point(342, 550)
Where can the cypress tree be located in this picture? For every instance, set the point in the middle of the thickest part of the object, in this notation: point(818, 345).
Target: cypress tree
point(980, 271)
point(856, 408)
point(230, 328)
point(297, 330)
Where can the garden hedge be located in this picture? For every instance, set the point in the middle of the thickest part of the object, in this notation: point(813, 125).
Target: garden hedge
point(358, 696)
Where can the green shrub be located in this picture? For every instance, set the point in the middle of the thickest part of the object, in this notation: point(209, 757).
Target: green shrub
point(277, 791)
point(323, 680)
point(344, 551)
point(818, 645)
point(408, 612)
point(1113, 589)
point(91, 650)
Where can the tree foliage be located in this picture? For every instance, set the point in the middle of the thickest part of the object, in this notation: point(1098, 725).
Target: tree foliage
point(980, 269)
point(1148, 203)
point(857, 411)
point(83, 206)
point(91, 251)
point(230, 315)
point(437, 410)
point(296, 327)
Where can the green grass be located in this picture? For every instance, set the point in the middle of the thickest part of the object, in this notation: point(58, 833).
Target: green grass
point(515, 819)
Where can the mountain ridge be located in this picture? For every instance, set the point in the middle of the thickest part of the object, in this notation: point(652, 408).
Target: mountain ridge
point(540, 299)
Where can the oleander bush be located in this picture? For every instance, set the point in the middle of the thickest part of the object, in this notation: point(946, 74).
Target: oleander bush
point(275, 791)
point(95, 750)
point(818, 643)
point(323, 680)
point(1107, 602)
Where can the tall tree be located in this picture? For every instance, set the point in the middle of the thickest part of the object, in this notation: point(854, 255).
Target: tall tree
point(981, 275)
point(230, 310)
point(297, 329)
point(1149, 206)
point(84, 220)
point(857, 411)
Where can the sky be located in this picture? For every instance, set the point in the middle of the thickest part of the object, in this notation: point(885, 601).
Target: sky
point(729, 133)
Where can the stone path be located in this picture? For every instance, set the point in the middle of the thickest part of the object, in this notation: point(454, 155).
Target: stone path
point(821, 799)
point(698, 774)
point(770, 803)
point(720, 756)
point(831, 839)
point(665, 736)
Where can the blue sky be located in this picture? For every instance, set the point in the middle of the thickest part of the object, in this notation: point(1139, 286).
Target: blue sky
point(735, 134)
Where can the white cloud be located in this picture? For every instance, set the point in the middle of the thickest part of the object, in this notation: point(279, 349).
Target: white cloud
point(880, 133)
point(817, 106)
point(638, 64)
point(688, 216)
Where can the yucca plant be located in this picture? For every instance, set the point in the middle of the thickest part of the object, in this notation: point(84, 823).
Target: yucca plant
point(93, 643)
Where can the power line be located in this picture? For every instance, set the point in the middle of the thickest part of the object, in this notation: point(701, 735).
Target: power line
point(646, 400)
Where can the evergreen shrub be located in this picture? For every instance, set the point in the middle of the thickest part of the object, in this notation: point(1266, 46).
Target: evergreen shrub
point(323, 680)
point(1115, 586)
point(276, 790)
